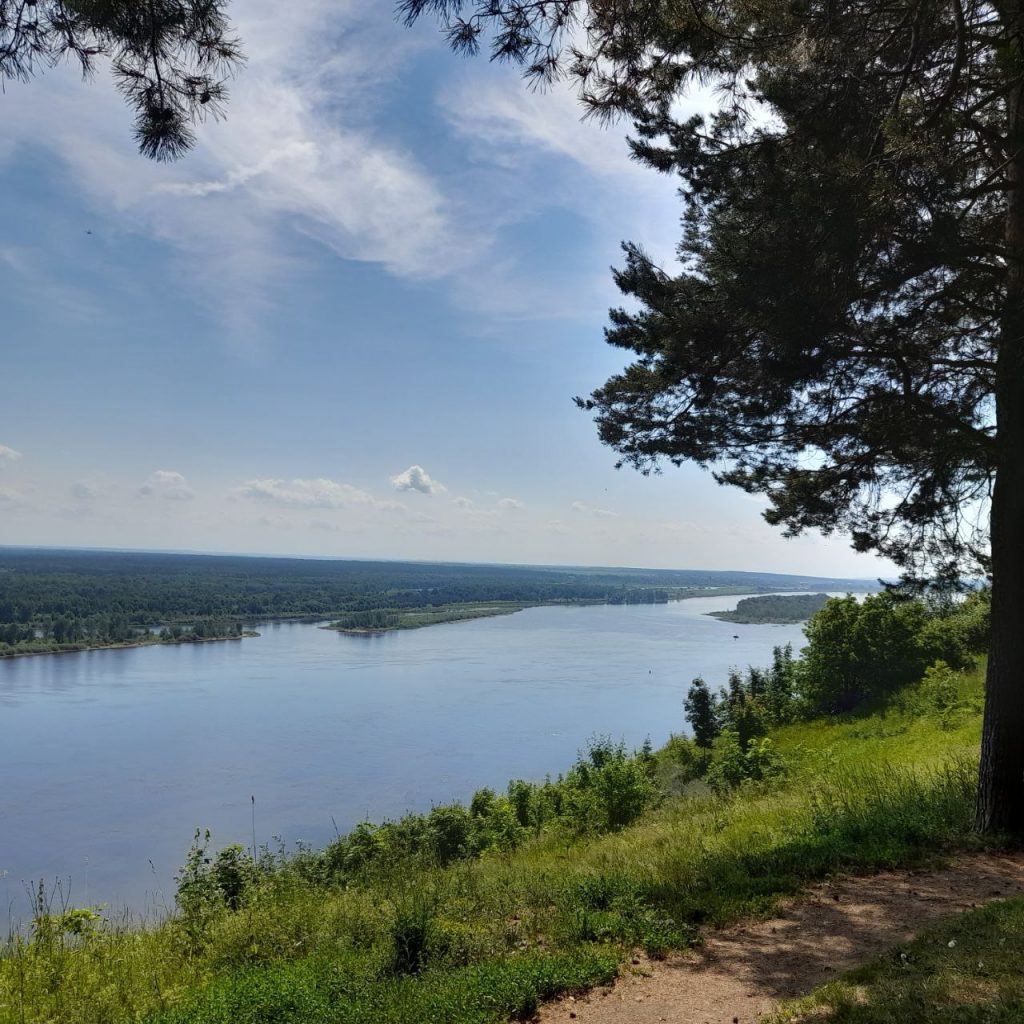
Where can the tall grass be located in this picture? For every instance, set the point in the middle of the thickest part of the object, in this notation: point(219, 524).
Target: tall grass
point(484, 938)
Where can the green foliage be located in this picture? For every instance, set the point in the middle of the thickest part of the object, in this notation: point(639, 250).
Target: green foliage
point(605, 790)
point(735, 763)
point(941, 695)
point(774, 608)
point(169, 58)
point(322, 990)
point(780, 687)
point(857, 651)
point(206, 885)
point(701, 713)
point(742, 710)
point(382, 619)
point(411, 936)
point(679, 764)
point(863, 651)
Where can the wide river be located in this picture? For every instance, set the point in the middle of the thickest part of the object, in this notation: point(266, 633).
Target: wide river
point(109, 760)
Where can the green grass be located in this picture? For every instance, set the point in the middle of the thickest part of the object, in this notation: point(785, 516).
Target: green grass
point(484, 939)
point(324, 990)
point(963, 970)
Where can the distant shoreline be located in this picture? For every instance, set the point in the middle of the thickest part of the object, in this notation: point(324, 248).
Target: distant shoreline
point(156, 641)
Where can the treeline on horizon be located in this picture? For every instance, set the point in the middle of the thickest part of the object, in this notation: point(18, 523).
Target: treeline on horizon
point(67, 597)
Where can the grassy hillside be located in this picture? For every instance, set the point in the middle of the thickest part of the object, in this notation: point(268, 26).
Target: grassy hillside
point(367, 932)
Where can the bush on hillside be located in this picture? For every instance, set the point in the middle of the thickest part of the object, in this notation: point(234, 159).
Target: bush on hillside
point(857, 651)
point(863, 651)
point(940, 696)
point(735, 764)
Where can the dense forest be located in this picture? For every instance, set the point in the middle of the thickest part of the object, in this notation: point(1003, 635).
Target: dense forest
point(58, 600)
point(780, 608)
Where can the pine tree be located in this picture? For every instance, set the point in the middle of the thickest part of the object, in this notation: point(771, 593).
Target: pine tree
point(846, 333)
point(170, 58)
point(701, 713)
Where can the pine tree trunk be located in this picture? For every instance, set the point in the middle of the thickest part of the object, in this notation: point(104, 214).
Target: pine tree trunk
point(1001, 781)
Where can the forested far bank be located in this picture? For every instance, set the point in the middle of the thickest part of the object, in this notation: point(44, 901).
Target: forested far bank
point(64, 600)
point(64, 635)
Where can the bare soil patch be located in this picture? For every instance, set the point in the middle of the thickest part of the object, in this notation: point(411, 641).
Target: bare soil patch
point(740, 973)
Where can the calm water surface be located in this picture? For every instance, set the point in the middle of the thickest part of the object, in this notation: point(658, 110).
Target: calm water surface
point(109, 760)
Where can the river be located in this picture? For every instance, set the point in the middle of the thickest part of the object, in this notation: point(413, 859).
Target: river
point(109, 760)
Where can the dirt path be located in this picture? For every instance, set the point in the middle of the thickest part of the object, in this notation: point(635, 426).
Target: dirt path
point(739, 973)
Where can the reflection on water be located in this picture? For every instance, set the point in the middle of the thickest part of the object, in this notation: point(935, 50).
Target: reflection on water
point(110, 759)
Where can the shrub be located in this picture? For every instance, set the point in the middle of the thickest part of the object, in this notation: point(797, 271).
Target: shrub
point(861, 650)
point(938, 696)
point(734, 765)
point(411, 932)
point(450, 830)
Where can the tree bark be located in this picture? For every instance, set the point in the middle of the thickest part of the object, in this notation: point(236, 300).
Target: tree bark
point(1000, 806)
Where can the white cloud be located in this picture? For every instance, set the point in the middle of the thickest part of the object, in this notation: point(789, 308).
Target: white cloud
point(310, 148)
point(12, 500)
point(595, 175)
point(84, 490)
point(300, 154)
point(416, 478)
point(319, 492)
point(168, 485)
point(510, 505)
point(589, 510)
point(8, 455)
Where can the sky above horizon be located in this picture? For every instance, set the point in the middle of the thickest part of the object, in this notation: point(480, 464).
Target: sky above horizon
point(350, 323)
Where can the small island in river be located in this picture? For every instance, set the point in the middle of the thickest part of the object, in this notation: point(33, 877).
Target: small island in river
point(384, 620)
point(781, 609)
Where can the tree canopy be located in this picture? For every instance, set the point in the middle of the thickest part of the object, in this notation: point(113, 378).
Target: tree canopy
point(829, 338)
point(170, 58)
point(844, 332)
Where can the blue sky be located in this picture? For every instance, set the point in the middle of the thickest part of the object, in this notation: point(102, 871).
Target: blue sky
point(350, 323)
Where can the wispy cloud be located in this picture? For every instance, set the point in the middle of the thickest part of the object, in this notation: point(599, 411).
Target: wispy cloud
point(510, 505)
point(168, 485)
point(8, 455)
point(300, 151)
point(319, 492)
point(306, 153)
point(596, 513)
point(12, 500)
point(84, 490)
point(416, 478)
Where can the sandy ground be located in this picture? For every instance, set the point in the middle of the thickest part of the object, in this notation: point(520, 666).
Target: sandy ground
point(741, 972)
